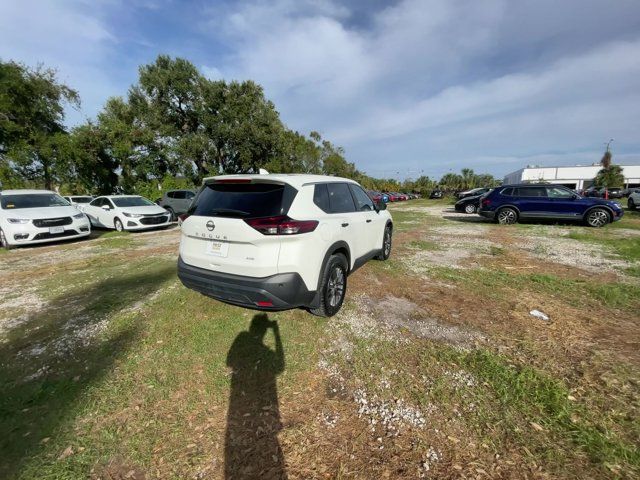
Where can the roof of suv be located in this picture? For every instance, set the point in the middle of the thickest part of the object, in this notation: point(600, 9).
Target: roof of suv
point(293, 179)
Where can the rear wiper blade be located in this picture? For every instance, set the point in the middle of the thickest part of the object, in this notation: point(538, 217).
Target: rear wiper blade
point(230, 211)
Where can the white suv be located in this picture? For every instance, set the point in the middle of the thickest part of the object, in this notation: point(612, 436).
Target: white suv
point(37, 216)
point(275, 242)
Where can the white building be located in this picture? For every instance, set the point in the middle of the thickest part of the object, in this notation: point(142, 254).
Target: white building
point(578, 177)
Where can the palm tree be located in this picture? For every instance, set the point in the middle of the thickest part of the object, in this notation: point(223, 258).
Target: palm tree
point(610, 175)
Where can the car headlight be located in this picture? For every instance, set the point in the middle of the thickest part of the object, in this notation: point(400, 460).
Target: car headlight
point(79, 216)
point(21, 221)
point(132, 215)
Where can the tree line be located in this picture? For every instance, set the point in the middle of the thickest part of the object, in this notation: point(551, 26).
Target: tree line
point(173, 127)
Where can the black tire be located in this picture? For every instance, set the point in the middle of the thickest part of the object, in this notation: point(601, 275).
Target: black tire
point(506, 216)
point(333, 286)
point(3, 241)
point(387, 239)
point(597, 217)
point(631, 204)
point(172, 214)
point(118, 225)
point(470, 208)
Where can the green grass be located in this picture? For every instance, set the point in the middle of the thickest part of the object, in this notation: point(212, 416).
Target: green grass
point(627, 248)
point(501, 404)
point(424, 245)
point(493, 284)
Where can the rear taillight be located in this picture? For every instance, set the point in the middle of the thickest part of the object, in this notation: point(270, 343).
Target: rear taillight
point(486, 202)
point(183, 217)
point(281, 225)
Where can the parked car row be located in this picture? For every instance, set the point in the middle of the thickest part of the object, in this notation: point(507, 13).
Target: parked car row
point(30, 217)
point(387, 197)
point(510, 203)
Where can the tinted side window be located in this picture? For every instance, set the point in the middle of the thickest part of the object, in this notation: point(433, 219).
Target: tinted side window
point(507, 191)
point(363, 201)
point(189, 195)
point(97, 202)
point(179, 195)
point(340, 199)
point(321, 197)
point(171, 194)
point(559, 192)
point(531, 192)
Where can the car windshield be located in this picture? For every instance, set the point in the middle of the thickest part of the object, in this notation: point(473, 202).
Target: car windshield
point(32, 200)
point(132, 202)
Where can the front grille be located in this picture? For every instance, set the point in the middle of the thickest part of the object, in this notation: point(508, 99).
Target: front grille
point(47, 235)
point(153, 220)
point(52, 222)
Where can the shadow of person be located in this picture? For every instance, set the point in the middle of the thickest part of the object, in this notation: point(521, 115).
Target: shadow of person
point(253, 420)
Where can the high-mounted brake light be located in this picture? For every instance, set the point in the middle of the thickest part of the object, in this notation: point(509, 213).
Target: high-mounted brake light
point(281, 225)
point(233, 180)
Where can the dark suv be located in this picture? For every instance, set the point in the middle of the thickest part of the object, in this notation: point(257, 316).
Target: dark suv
point(509, 203)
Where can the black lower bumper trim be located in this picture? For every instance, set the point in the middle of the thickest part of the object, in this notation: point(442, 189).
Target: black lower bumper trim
point(283, 291)
point(487, 214)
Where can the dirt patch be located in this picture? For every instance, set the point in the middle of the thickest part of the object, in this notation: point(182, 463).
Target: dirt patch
point(567, 251)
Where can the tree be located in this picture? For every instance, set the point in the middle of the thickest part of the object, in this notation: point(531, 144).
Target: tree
point(32, 134)
point(610, 175)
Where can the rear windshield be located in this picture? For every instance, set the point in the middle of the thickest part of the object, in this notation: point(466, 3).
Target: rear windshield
point(81, 199)
point(131, 202)
point(36, 200)
point(243, 200)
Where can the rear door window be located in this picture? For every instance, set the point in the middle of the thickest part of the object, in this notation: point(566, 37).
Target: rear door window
point(340, 199)
point(559, 192)
point(531, 192)
point(363, 201)
point(243, 200)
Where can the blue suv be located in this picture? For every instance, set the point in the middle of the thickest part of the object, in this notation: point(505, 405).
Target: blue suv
point(509, 203)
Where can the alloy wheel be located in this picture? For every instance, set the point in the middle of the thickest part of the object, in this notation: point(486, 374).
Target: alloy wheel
point(598, 218)
point(335, 286)
point(507, 216)
point(387, 242)
point(470, 208)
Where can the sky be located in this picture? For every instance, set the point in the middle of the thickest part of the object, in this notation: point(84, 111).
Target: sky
point(408, 88)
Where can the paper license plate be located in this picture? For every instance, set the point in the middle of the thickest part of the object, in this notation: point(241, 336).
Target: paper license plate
point(219, 249)
point(56, 229)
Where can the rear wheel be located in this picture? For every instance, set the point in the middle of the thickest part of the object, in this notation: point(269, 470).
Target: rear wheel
point(385, 253)
point(631, 204)
point(118, 225)
point(470, 208)
point(507, 216)
point(172, 214)
point(333, 286)
point(3, 241)
point(598, 217)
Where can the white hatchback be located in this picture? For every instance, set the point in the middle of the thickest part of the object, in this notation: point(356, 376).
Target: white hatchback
point(126, 212)
point(37, 216)
point(274, 242)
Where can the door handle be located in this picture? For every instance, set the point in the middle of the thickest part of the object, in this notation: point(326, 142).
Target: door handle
point(369, 220)
point(345, 224)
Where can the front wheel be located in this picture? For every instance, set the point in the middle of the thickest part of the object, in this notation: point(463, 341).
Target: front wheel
point(333, 286)
point(598, 217)
point(118, 225)
point(385, 253)
point(507, 216)
point(3, 241)
point(470, 208)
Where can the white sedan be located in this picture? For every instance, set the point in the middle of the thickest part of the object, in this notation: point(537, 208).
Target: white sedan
point(126, 212)
point(38, 216)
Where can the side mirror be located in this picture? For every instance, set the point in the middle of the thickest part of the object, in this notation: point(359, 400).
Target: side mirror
point(380, 205)
point(575, 196)
point(106, 207)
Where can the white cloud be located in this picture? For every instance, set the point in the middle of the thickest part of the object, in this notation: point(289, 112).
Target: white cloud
point(458, 81)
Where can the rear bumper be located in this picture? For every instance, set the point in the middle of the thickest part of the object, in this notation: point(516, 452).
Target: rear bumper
point(487, 214)
point(276, 292)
